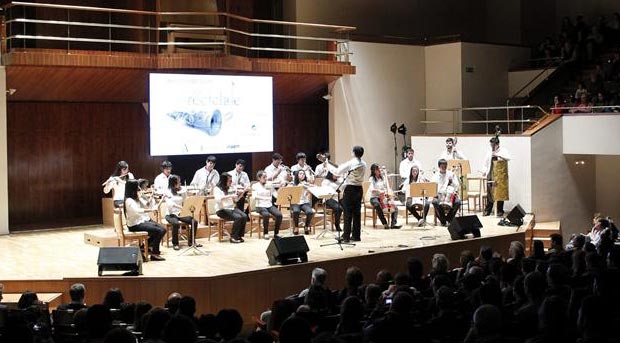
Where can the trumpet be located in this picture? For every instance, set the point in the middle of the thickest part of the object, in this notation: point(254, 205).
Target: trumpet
point(323, 158)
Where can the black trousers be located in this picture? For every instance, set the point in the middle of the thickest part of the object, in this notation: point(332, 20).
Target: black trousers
point(411, 209)
point(238, 218)
point(267, 212)
point(443, 218)
point(489, 208)
point(176, 221)
point(333, 205)
point(307, 208)
point(351, 204)
point(155, 231)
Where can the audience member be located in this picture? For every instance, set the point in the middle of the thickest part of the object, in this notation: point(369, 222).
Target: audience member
point(77, 294)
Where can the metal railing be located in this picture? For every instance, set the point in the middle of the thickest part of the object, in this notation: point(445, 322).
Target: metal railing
point(508, 118)
point(69, 27)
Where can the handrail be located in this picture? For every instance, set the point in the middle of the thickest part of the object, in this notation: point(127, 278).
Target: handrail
point(547, 67)
point(480, 108)
point(340, 28)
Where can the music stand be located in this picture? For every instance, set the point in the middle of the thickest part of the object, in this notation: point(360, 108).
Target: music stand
point(464, 169)
point(424, 190)
point(287, 196)
point(338, 237)
point(322, 193)
point(189, 207)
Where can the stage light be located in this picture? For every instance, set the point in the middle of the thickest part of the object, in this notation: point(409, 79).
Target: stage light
point(393, 128)
point(327, 97)
point(402, 129)
point(11, 91)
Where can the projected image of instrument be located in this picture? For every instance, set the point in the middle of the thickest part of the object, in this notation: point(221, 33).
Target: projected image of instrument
point(209, 123)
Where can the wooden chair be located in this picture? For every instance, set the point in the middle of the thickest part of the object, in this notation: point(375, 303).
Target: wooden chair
point(196, 201)
point(215, 220)
point(474, 191)
point(127, 237)
point(367, 205)
point(254, 216)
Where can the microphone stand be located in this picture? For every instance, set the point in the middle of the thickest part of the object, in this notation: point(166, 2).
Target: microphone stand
point(193, 248)
point(395, 152)
point(339, 235)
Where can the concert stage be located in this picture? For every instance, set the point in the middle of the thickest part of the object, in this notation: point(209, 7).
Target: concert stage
point(231, 275)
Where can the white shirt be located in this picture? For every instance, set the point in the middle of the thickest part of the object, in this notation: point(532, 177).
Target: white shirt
point(205, 180)
point(270, 171)
point(262, 194)
point(321, 170)
point(357, 169)
point(161, 183)
point(174, 203)
point(222, 201)
point(454, 155)
point(501, 153)
point(135, 213)
point(406, 188)
point(239, 179)
point(443, 180)
point(405, 167)
point(117, 185)
point(376, 187)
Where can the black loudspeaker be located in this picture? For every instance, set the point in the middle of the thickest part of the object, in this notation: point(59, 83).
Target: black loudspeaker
point(460, 226)
point(515, 217)
point(287, 250)
point(128, 259)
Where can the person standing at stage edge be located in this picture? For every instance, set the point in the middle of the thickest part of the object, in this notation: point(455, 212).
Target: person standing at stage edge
point(496, 154)
point(354, 170)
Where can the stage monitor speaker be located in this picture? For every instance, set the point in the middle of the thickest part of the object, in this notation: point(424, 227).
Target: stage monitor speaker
point(515, 217)
point(460, 226)
point(287, 250)
point(128, 259)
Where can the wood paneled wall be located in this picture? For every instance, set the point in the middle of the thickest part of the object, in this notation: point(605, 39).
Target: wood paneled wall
point(60, 153)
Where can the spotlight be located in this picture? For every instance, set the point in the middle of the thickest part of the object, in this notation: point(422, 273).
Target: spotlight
point(402, 129)
point(11, 91)
point(393, 128)
point(327, 97)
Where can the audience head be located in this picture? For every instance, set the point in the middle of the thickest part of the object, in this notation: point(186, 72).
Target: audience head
point(535, 286)
point(173, 301)
point(229, 323)
point(556, 242)
point(319, 277)
point(207, 326)
point(119, 335)
point(180, 329)
point(557, 275)
point(439, 264)
point(516, 250)
point(538, 250)
point(141, 308)
point(98, 321)
point(552, 317)
point(113, 298)
point(280, 311)
point(76, 292)
point(528, 265)
point(295, 330)
point(383, 279)
point(466, 257)
point(486, 253)
point(27, 299)
point(415, 268)
point(154, 322)
point(579, 242)
point(317, 299)
point(187, 306)
point(354, 277)
point(373, 294)
point(487, 321)
point(351, 310)
point(402, 303)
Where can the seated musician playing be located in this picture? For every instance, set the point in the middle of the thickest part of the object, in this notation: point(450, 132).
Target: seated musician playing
point(225, 207)
point(333, 181)
point(240, 180)
point(116, 183)
point(174, 197)
point(415, 177)
point(264, 206)
point(304, 203)
point(447, 193)
point(302, 165)
point(378, 189)
point(206, 178)
point(138, 219)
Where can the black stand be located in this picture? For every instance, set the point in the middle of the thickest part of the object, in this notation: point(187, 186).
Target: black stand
point(395, 153)
point(338, 237)
point(193, 248)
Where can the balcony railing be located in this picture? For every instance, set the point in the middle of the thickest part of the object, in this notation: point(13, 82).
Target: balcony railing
point(30, 25)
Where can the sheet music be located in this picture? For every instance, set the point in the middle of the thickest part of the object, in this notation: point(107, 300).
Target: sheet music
point(322, 192)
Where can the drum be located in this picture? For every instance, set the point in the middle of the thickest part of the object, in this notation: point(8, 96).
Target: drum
point(500, 178)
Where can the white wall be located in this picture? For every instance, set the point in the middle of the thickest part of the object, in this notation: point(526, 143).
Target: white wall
point(444, 85)
point(562, 190)
point(429, 148)
point(4, 170)
point(607, 186)
point(518, 79)
point(595, 134)
point(388, 87)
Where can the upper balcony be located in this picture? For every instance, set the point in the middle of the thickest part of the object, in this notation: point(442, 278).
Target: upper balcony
point(49, 40)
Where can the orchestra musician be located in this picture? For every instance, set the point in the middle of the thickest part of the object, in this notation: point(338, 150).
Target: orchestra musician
point(379, 189)
point(240, 181)
point(278, 174)
point(451, 153)
point(147, 197)
point(407, 163)
point(323, 168)
point(496, 153)
point(304, 204)
point(264, 205)
point(174, 196)
point(161, 181)
point(138, 219)
point(206, 178)
point(225, 199)
point(302, 165)
point(447, 192)
point(116, 183)
point(415, 177)
point(333, 181)
point(355, 168)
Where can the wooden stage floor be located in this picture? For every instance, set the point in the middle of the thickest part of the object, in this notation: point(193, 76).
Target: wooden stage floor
point(58, 254)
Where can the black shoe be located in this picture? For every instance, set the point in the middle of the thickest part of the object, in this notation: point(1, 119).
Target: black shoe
point(500, 214)
point(198, 245)
point(241, 239)
point(356, 239)
point(157, 258)
point(346, 241)
point(176, 247)
point(396, 226)
point(486, 214)
point(235, 240)
point(306, 232)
